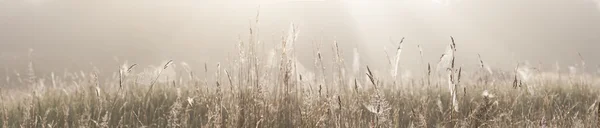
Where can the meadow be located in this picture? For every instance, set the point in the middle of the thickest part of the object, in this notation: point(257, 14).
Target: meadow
point(261, 89)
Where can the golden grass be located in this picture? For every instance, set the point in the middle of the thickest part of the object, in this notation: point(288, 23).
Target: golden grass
point(256, 91)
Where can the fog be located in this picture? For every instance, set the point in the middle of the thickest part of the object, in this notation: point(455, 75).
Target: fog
point(81, 34)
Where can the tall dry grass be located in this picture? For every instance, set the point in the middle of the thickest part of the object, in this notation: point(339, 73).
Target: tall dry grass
point(272, 89)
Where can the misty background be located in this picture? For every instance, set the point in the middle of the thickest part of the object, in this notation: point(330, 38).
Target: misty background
point(79, 35)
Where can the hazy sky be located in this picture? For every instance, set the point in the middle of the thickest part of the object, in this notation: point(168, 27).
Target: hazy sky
point(77, 33)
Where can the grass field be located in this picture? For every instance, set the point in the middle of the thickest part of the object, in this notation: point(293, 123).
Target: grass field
point(259, 89)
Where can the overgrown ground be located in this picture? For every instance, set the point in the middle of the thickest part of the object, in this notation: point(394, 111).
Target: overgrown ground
point(255, 90)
